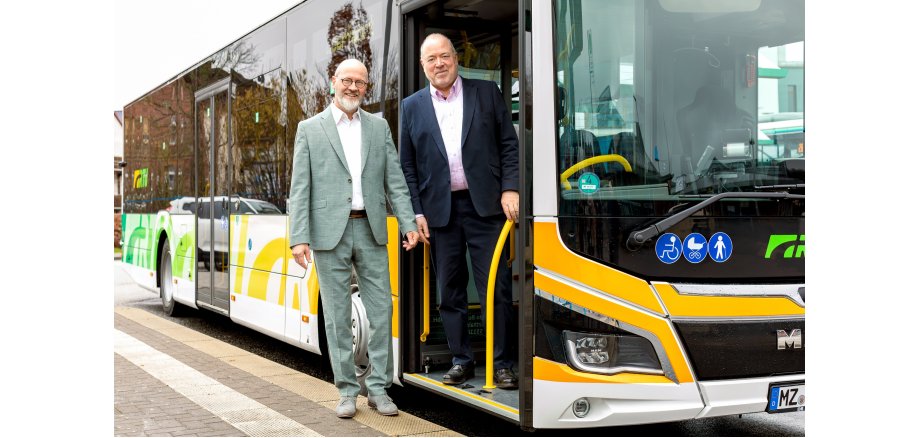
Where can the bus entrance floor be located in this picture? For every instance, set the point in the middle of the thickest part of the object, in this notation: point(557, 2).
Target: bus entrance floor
point(174, 381)
point(502, 402)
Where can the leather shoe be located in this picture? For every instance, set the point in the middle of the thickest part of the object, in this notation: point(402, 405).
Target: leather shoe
point(505, 379)
point(346, 407)
point(458, 374)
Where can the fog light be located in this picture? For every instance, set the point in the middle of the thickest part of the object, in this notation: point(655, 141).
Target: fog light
point(581, 407)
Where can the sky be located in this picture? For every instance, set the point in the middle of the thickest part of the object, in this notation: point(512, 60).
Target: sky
point(153, 41)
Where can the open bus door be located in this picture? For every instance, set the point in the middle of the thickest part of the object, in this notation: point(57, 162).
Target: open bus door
point(486, 37)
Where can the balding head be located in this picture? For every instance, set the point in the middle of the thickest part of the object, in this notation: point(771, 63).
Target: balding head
point(352, 65)
point(436, 39)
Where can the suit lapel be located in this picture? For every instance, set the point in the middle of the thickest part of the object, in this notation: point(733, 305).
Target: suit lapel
point(428, 110)
point(469, 107)
point(366, 135)
point(332, 134)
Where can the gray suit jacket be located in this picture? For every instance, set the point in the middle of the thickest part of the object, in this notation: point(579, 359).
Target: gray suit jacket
point(321, 185)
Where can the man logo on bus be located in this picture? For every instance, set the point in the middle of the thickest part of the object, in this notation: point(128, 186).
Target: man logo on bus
point(789, 340)
point(794, 243)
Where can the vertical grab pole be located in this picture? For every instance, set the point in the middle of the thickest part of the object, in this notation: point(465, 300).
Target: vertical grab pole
point(490, 309)
point(426, 303)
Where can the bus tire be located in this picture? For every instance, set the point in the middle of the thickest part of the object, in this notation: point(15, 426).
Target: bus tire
point(167, 287)
point(360, 332)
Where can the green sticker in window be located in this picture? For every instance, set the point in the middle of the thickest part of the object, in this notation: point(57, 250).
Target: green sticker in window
point(588, 183)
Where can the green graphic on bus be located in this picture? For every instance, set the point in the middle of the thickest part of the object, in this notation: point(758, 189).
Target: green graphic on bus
point(794, 243)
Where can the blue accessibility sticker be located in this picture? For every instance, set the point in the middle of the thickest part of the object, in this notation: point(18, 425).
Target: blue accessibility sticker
point(720, 247)
point(695, 248)
point(668, 248)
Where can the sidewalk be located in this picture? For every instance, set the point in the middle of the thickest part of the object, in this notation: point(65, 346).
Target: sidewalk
point(174, 381)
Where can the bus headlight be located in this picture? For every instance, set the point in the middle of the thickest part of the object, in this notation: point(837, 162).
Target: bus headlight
point(610, 353)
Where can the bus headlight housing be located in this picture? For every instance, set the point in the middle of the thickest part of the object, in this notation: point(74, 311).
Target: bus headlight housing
point(609, 354)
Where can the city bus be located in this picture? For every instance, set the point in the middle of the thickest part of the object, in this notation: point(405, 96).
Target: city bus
point(659, 263)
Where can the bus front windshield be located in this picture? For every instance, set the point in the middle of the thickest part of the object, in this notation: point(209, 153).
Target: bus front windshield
point(664, 100)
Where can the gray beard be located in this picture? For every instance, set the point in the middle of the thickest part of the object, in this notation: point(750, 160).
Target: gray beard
point(349, 104)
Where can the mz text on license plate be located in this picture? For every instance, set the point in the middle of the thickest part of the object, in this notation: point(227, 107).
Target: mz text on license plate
point(787, 397)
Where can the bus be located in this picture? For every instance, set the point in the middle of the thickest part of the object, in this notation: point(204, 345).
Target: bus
point(659, 263)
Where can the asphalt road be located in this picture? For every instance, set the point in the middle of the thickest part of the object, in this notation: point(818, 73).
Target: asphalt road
point(436, 409)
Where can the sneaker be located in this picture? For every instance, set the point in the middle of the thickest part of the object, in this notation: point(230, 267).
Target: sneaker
point(505, 379)
point(383, 404)
point(346, 407)
point(458, 374)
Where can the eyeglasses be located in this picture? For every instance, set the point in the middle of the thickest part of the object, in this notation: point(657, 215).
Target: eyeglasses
point(358, 82)
point(445, 57)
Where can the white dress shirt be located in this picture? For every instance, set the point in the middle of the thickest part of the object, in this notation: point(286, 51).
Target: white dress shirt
point(449, 112)
point(350, 136)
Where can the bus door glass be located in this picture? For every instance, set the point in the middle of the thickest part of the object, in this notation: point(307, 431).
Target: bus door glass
point(213, 219)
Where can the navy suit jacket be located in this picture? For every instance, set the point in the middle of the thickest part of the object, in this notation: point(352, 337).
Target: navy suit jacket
point(489, 151)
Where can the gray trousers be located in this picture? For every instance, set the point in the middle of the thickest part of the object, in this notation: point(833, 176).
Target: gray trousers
point(333, 268)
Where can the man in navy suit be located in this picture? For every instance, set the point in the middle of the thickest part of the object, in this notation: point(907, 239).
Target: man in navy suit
point(459, 152)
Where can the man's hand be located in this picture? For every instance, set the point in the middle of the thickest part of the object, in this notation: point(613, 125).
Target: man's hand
point(411, 240)
point(302, 255)
point(510, 204)
point(422, 224)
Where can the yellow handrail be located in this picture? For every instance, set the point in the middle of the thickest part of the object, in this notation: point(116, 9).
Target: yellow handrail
point(490, 301)
point(426, 300)
point(564, 178)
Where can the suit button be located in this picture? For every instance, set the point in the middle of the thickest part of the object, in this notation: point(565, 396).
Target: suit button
point(349, 179)
point(349, 199)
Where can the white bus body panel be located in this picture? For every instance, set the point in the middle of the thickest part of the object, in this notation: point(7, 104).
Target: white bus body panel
point(613, 404)
point(739, 396)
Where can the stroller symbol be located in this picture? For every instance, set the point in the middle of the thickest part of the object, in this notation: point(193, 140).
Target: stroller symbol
point(696, 248)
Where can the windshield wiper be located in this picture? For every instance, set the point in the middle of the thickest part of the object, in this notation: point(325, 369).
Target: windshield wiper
point(639, 237)
point(781, 187)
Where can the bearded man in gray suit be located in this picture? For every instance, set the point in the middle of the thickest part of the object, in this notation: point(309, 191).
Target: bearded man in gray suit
point(345, 168)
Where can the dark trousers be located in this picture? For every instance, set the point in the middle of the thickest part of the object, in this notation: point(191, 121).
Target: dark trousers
point(466, 230)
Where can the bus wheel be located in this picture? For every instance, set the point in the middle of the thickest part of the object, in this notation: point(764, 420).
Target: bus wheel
point(360, 331)
point(167, 287)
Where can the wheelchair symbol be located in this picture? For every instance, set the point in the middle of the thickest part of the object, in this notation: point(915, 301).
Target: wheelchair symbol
point(668, 248)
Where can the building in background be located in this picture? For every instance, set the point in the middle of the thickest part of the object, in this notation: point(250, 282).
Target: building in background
point(119, 164)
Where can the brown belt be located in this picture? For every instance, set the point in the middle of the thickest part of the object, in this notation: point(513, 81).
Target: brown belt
point(357, 214)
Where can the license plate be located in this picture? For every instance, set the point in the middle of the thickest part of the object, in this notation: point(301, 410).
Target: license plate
point(787, 397)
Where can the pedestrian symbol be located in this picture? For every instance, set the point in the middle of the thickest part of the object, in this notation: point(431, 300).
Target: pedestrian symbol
point(695, 248)
point(668, 248)
point(720, 247)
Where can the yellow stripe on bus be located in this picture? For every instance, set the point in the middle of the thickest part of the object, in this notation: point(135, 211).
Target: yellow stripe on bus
point(549, 253)
point(313, 291)
point(724, 306)
point(241, 251)
point(261, 267)
point(657, 326)
point(544, 369)
point(393, 246)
